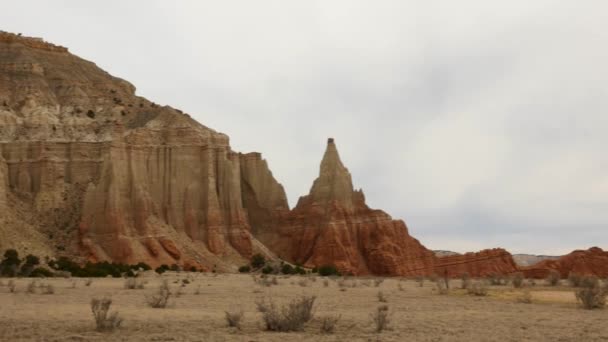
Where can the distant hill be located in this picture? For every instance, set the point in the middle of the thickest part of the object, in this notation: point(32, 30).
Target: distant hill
point(530, 259)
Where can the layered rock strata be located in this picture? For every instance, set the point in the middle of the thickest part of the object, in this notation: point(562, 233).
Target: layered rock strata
point(112, 176)
point(590, 262)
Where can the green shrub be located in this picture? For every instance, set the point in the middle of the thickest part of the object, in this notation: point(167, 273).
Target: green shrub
point(267, 269)
point(245, 269)
point(41, 272)
point(287, 269)
point(162, 269)
point(258, 260)
point(299, 270)
point(328, 270)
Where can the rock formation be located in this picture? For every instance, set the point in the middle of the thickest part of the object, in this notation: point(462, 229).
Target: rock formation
point(593, 261)
point(479, 264)
point(112, 176)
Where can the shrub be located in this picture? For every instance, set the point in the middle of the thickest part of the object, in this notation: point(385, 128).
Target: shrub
point(518, 280)
point(420, 281)
point(589, 282)
point(380, 318)
point(161, 298)
point(10, 263)
point(325, 283)
point(465, 281)
point(258, 260)
point(592, 297)
point(495, 279)
point(245, 269)
point(526, 297)
point(233, 318)
point(48, 289)
point(553, 278)
point(328, 324)
point(88, 282)
point(161, 269)
point(381, 297)
point(287, 269)
point(477, 289)
point(41, 272)
point(328, 270)
point(103, 321)
point(441, 288)
point(11, 286)
point(133, 283)
point(299, 270)
point(574, 279)
point(290, 317)
point(378, 281)
point(31, 287)
point(267, 269)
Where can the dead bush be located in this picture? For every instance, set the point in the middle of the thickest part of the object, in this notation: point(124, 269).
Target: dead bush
point(378, 282)
point(381, 318)
point(517, 280)
point(88, 282)
point(400, 287)
point(590, 282)
point(465, 281)
point(477, 289)
point(48, 289)
point(103, 320)
point(553, 278)
point(11, 286)
point(495, 279)
point(290, 317)
point(441, 288)
point(526, 297)
point(31, 287)
point(133, 284)
point(420, 281)
point(592, 297)
point(233, 318)
point(161, 298)
point(574, 279)
point(328, 323)
point(381, 297)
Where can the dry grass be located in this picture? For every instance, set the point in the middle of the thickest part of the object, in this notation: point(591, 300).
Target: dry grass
point(328, 323)
point(290, 317)
point(478, 289)
point(104, 321)
point(160, 299)
point(416, 314)
point(526, 297)
point(234, 318)
point(381, 318)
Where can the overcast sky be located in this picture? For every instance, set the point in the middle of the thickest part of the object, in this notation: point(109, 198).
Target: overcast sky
point(480, 123)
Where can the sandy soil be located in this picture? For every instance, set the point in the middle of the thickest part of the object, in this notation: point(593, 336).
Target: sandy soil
point(418, 313)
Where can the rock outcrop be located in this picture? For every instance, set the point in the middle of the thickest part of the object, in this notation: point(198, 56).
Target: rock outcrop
point(593, 261)
point(333, 225)
point(479, 264)
point(112, 176)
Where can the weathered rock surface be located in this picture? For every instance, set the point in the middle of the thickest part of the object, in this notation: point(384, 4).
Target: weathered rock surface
point(479, 264)
point(593, 261)
point(112, 176)
point(333, 225)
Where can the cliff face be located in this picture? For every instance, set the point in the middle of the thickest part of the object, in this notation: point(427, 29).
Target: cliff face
point(479, 264)
point(113, 176)
point(333, 225)
point(593, 261)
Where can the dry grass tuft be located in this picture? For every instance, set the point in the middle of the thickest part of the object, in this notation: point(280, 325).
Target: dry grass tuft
point(328, 323)
point(477, 289)
point(103, 320)
point(525, 298)
point(290, 317)
point(381, 318)
point(233, 318)
point(161, 298)
point(133, 284)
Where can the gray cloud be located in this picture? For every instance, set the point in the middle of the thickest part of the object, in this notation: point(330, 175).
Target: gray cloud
point(480, 123)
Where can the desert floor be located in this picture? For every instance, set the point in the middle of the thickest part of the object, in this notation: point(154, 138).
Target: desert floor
point(197, 314)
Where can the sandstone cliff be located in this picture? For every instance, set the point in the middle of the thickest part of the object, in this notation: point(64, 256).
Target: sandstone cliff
point(112, 176)
point(593, 261)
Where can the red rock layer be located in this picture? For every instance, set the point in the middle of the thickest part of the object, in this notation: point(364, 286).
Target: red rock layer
point(593, 261)
point(112, 176)
point(479, 264)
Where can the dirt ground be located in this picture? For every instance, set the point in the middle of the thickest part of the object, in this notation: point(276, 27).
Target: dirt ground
point(417, 313)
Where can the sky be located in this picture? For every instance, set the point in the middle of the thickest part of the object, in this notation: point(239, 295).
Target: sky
point(480, 123)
